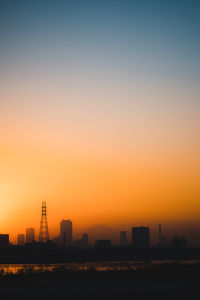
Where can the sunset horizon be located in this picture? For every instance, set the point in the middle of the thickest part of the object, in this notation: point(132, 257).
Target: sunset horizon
point(99, 115)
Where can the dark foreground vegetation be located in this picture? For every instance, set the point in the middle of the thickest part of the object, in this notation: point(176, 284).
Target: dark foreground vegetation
point(163, 282)
point(41, 254)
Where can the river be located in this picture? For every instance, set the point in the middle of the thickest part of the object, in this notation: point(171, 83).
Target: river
point(86, 266)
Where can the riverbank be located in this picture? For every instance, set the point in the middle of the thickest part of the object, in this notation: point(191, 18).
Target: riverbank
point(167, 281)
point(37, 254)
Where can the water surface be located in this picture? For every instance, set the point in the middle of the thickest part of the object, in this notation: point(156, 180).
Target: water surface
point(87, 266)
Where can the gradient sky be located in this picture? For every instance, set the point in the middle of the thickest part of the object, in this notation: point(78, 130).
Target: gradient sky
point(99, 112)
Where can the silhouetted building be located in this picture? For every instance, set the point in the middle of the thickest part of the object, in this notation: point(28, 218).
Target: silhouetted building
point(66, 233)
point(4, 240)
point(179, 243)
point(85, 240)
point(82, 243)
point(140, 237)
point(30, 235)
point(78, 243)
point(161, 238)
point(103, 244)
point(20, 239)
point(123, 239)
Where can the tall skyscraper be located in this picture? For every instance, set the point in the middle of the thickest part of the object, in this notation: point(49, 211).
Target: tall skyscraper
point(66, 233)
point(30, 235)
point(123, 239)
point(20, 239)
point(140, 237)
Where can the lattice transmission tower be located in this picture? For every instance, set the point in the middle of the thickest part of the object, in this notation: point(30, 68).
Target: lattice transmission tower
point(44, 232)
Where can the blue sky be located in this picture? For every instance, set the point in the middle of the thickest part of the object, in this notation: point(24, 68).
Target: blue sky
point(159, 34)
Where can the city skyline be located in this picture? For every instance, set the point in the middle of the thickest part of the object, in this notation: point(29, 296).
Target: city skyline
point(120, 235)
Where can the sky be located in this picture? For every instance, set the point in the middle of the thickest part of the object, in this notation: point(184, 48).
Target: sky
point(99, 113)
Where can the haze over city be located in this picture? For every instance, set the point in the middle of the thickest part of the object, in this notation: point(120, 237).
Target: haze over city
point(99, 115)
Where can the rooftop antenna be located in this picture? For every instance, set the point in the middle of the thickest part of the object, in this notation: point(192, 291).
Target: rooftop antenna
point(159, 232)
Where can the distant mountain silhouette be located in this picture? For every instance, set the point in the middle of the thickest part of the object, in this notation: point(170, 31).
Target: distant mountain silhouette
point(100, 232)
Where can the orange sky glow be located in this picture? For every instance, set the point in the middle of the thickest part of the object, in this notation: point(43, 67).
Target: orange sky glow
point(99, 115)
